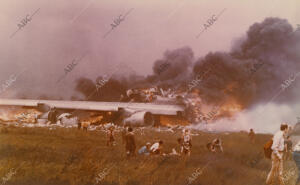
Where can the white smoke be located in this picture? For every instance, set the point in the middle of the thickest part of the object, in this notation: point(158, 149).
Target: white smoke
point(263, 119)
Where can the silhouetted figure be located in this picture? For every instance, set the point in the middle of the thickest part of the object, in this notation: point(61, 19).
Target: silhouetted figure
point(130, 143)
point(110, 136)
point(252, 135)
point(288, 144)
point(79, 125)
point(52, 116)
point(296, 157)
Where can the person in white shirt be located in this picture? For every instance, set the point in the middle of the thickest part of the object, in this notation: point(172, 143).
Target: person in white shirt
point(277, 155)
point(296, 157)
point(156, 148)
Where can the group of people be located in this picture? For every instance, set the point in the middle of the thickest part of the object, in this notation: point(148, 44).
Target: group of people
point(156, 148)
point(281, 147)
point(183, 148)
point(128, 139)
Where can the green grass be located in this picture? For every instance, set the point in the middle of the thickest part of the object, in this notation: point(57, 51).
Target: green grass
point(64, 156)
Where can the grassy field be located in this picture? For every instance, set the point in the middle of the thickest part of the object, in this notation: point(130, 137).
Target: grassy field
point(61, 156)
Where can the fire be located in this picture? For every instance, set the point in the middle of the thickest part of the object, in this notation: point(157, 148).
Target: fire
point(230, 108)
point(92, 118)
point(5, 116)
point(172, 120)
point(20, 115)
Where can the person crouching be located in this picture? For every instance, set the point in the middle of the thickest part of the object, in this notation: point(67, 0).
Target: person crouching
point(145, 150)
point(215, 146)
point(156, 148)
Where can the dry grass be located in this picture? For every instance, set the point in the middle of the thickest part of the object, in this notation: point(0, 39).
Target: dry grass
point(63, 156)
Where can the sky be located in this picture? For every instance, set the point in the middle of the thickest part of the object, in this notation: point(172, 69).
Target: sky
point(61, 31)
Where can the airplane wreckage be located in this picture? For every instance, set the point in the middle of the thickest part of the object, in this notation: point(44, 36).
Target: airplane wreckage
point(92, 112)
point(138, 107)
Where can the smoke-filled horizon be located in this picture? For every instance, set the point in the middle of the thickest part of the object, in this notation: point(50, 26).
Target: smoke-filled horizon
point(252, 72)
point(259, 74)
point(235, 75)
point(249, 55)
point(61, 32)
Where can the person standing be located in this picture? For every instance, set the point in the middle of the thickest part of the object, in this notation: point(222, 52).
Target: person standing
point(110, 136)
point(123, 133)
point(130, 143)
point(187, 143)
point(85, 125)
point(79, 125)
point(277, 155)
point(296, 157)
point(52, 116)
point(288, 144)
point(252, 135)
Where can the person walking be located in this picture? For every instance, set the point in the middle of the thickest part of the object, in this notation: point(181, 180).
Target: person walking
point(277, 156)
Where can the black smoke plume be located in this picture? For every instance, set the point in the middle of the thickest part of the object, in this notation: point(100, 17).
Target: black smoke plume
point(250, 73)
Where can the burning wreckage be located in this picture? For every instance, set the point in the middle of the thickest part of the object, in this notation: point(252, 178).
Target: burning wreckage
point(139, 107)
point(182, 89)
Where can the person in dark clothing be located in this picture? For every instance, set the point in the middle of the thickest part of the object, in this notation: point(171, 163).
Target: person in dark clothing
point(178, 149)
point(123, 133)
point(110, 136)
point(252, 135)
point(52, 116)
point(296, 157)
point(130, 143)
point(79, 125)
point(288, 148)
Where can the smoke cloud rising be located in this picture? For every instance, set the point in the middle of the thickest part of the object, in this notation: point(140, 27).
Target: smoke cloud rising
point(272, 43)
